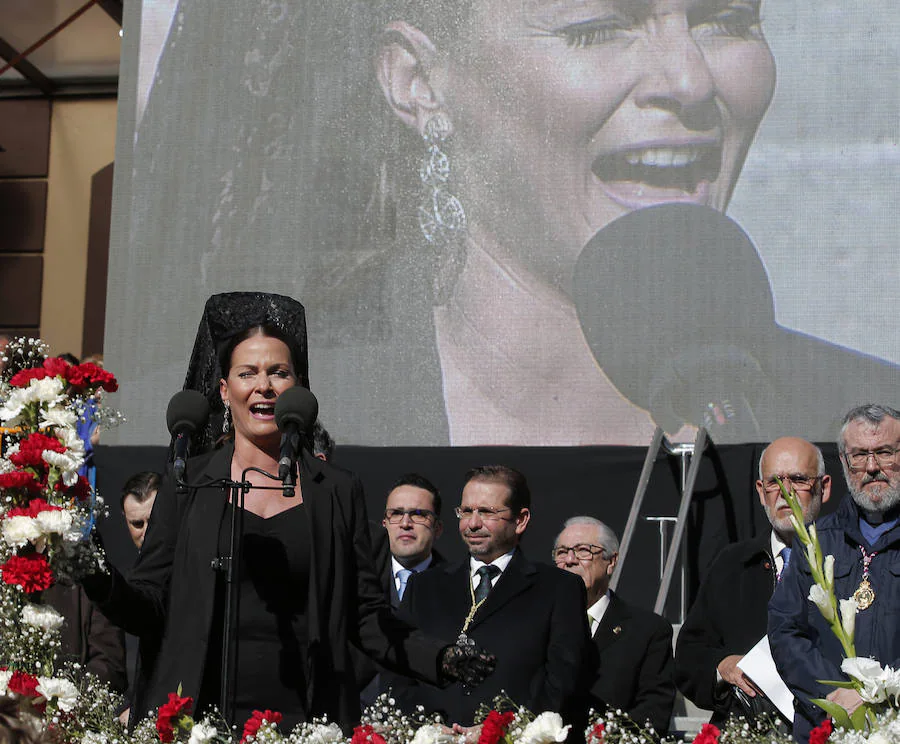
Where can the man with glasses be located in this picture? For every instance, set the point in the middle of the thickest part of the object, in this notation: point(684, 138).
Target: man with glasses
point(634, 645)
point(863, 535)
point(729, 615)
point(529, 615)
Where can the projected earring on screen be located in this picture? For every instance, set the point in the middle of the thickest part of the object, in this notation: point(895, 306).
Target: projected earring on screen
point(442, 218)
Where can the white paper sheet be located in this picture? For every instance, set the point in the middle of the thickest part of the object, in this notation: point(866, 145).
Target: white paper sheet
point(760, 668)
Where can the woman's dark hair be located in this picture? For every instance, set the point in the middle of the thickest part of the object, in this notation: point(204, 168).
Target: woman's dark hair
point(270, 331)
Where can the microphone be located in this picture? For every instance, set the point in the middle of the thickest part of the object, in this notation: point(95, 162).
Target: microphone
point(188, 411)
point(676, 307)
point(295, 413)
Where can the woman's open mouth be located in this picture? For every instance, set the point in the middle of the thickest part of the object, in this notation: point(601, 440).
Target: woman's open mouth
point(650, 175)
point(263, 410)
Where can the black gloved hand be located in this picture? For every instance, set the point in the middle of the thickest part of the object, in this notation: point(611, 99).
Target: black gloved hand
point(468, 665)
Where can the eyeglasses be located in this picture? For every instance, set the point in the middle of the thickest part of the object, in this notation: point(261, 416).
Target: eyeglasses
point(465, 513)
point(796, 482)
point(417, 516)
point(858, 460)
point(583, 552)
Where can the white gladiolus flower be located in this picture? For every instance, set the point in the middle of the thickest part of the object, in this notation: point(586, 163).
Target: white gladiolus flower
point(848, 616)
point(63, 690)
point(202, 733)
point(812, 533)
point(869, 673)
point(795, 524)
point(811, 554)
point(546, 728)
point(829, 570)
point(41, 616)
point(820, 597)
point(19, 531)
point(890, 679)
point(54, 522)
point(5, 677)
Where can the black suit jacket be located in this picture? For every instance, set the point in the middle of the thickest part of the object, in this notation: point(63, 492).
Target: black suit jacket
point(533, 621)
point(636, 666)
point(171, 590)
point(729, 616)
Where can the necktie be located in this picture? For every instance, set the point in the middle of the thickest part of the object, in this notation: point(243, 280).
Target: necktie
point(403, 576)
point(486, 573)
point(786, 557)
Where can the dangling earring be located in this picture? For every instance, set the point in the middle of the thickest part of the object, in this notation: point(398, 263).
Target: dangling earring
point(226, 419)
point(442, 218)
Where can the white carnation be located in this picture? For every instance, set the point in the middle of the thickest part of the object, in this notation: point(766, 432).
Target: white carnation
point(546, 728)
point(20, 530)
point(202, 733)
point(48, 391)
point(55, 522)
point(432, 734)
point(12, 407)
point(326, 733)
point(67, 462)
point(890, 679)
point(5, 677)
point(58, 417)
point(65, 692)
point(41, 616)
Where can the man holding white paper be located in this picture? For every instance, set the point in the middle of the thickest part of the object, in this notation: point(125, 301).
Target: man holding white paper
point(729, 616)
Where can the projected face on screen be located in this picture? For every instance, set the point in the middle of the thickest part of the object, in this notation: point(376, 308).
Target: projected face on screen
point(535, 288)
point(567, 114)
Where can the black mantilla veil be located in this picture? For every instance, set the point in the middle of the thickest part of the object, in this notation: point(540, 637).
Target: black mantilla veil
point(225, 316)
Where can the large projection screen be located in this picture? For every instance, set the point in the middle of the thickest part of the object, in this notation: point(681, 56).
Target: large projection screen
point(424, 176)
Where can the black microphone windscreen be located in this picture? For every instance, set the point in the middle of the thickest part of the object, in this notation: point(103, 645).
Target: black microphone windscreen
point(296, 405)
point(187, 412)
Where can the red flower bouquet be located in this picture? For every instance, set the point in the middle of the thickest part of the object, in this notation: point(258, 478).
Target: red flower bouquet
point(31, 572)
point(256, 720)
point(170, 716)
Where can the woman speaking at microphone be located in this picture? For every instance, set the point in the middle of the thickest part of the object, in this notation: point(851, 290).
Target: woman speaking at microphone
point(305, 579)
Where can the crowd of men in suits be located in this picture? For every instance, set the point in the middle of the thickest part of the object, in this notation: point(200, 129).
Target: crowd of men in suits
point(566, 645)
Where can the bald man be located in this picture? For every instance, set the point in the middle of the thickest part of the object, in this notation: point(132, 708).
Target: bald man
point(729, 615)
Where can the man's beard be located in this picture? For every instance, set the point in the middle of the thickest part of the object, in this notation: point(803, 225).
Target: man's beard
point(888, 496)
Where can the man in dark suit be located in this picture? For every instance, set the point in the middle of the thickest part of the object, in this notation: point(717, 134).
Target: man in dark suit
point(530, 616)
point(730, 614)
point(634, 645)
point(403, 545)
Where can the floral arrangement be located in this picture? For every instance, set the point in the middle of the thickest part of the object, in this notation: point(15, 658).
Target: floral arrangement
point(46, 511)
point(879, 687)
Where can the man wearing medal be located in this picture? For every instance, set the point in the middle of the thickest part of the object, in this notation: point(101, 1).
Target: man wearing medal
point(530, 616)
point(863, 535)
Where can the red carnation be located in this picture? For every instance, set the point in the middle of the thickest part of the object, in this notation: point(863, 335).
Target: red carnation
point(596, 734)
point(20, 479)
point(56, 367)
point(32, 448)
point(35, 507)
point(709, 734)
point(170, 714)
point(90, 375)
point(366, 735)
point(81, 491)
point(820, 734)
point(494, 727)
point(23, 378)
point(256, 720)
point(29, 572)
point(23, 683)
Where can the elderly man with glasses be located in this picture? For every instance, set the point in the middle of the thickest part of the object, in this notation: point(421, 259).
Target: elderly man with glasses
point(729, 616)
point(634, 645)
point(863, 535)
point(529, 615)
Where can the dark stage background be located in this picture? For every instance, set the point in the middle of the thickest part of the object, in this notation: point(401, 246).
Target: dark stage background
point(564, 481)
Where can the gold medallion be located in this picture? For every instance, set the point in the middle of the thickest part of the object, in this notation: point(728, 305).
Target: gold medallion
point(864, 595)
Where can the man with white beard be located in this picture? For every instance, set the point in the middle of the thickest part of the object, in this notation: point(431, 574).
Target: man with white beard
point(863, 535)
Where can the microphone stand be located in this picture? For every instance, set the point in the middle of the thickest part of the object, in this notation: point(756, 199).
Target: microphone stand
point(229, 567)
